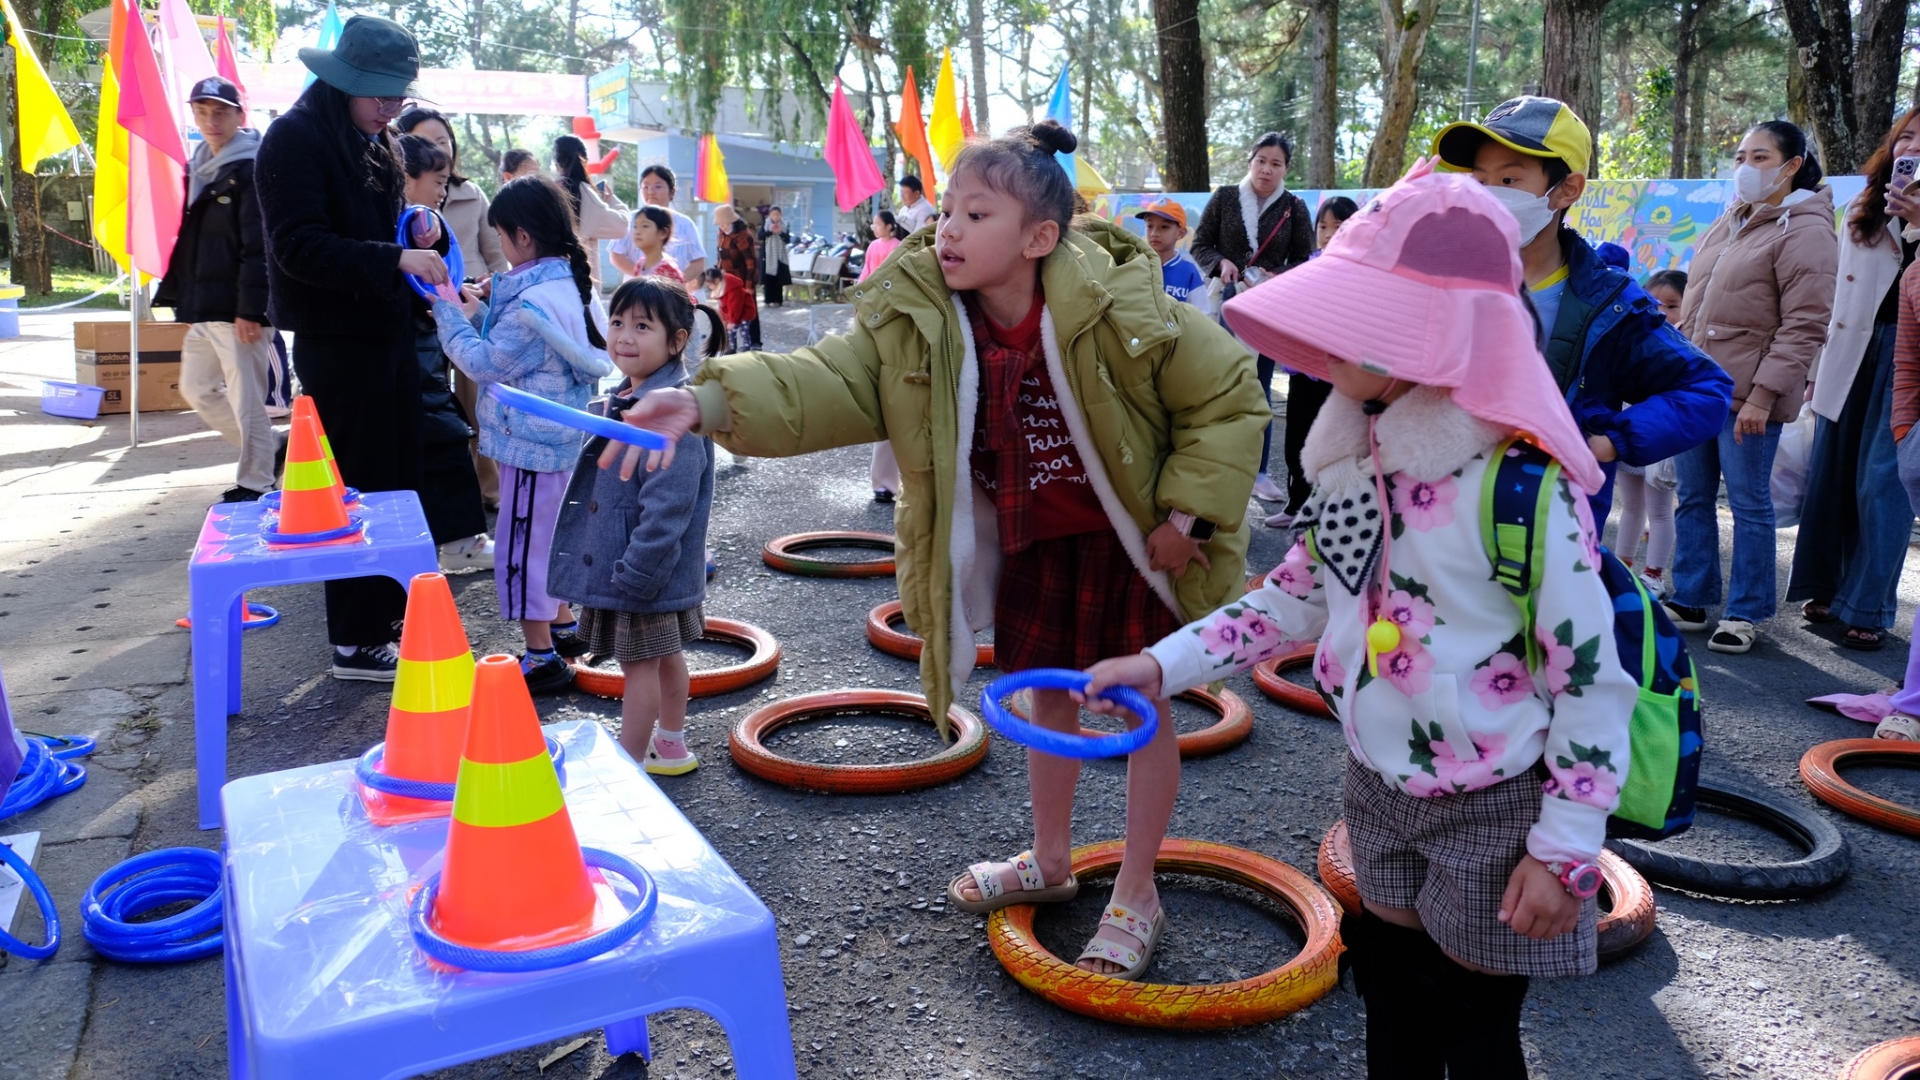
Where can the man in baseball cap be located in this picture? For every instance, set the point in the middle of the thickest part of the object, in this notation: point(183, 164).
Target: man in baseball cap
point(1606, 341)
point(1166, 223)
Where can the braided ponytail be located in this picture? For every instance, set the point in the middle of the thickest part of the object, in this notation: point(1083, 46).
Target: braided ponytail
point(537, 205)
point(583, 281)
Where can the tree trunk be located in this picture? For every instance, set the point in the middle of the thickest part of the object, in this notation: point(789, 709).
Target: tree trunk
point(1405, 32)
point(1876, 75)
point(977, 46)
point(1686, 48)
point(1823, 33)
point(1570, 60)
point(31, 267)
point(1183, 110)
point(1697, 124)
point(1323, 122)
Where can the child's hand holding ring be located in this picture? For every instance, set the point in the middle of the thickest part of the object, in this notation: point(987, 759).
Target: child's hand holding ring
point(1140, 671)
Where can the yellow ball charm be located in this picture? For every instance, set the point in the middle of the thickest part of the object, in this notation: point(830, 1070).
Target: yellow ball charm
point(1383, 637)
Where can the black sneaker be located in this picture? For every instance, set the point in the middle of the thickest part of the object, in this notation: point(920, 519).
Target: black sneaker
point(569, 644)
point(240, 494)
point(546, 676)
point(368, 663)
point(882, 495)
point(1686, 618)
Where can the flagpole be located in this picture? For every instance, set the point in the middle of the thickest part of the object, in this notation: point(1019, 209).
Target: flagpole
point(133, 358)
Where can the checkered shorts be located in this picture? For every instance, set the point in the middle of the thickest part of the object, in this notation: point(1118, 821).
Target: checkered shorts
point(1072, 601)
point(1450, 858)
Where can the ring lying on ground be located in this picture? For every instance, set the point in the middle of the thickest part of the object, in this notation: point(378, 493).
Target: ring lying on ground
point(1890, 1060)
point(1234, 727)
point(1627, 909)
point(1825, 864)
point(1266, 676)
point(750, 752)
point(765, 659)
point(903, 642)
point(783, 554)
point(49, 911)
point(1288, 988)
point(1820, 771)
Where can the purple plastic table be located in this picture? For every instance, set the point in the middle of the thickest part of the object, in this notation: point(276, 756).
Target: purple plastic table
point(324, 980)
point(230, 558)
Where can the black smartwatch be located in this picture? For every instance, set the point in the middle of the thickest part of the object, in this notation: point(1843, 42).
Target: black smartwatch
point(1192, 527)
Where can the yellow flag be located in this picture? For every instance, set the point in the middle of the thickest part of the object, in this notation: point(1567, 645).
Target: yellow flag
point(110, 171)
point(944, 132)
point(1086, 179)
point(45, 127)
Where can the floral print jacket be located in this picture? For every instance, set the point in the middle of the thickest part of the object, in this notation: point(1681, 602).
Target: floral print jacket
point(1454, 708)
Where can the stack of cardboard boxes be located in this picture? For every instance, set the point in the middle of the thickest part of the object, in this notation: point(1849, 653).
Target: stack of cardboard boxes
point(103, 354)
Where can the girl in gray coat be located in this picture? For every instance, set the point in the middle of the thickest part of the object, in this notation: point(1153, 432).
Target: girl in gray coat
point(632, 552)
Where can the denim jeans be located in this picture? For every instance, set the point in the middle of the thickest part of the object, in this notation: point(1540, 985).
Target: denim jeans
point(1748, 469)
point(1264, 368)
point(1855, 524)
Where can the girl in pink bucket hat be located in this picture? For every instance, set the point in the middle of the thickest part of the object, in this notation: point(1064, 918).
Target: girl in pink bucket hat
point(1474, 840)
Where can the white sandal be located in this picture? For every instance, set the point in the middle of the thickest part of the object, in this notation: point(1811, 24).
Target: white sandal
point(1898, 726)
point(1134, 961)
point(1033, 889)
point(1734, 636)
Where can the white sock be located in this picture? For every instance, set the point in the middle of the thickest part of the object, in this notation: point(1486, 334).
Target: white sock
point(670, 743)
point(346, 650)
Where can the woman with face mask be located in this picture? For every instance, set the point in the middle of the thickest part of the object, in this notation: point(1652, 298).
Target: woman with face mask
point(1759, 296)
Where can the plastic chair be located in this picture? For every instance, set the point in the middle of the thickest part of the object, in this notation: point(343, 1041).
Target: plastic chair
point(231, 558)
point(323, 978)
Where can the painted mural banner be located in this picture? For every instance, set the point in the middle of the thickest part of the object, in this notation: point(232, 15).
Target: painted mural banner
point(1658, 221)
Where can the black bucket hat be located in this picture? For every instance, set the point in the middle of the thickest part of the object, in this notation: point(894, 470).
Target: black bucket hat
point(375, 57)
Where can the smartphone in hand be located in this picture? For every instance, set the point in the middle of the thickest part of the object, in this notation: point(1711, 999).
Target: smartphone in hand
point(1905, 169)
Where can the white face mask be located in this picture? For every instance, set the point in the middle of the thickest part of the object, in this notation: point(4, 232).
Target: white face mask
point(1530, 210)
point(1755, 184)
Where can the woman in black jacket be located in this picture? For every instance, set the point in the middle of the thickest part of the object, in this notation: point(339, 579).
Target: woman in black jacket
point(330, 185)
point(1242, 255)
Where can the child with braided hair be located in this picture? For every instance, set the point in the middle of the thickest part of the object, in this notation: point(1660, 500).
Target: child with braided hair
point(542, 331)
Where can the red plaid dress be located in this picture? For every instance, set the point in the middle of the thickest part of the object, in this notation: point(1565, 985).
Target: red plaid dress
point(1068, 594)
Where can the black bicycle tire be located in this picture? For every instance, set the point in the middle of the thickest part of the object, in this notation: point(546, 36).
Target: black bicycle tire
point(1825, 865)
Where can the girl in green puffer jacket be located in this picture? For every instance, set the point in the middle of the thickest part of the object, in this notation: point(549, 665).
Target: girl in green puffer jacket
point(1076, 453)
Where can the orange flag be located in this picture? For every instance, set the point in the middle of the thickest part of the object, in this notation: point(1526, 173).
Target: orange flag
point(912, 129)
point(966, 111)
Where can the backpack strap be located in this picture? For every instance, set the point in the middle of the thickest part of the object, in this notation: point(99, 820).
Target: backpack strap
point(1513, 502)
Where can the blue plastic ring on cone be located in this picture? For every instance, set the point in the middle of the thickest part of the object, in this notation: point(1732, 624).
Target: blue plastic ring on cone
point(472, 959)
point(456, 264)
point(367, 771)
point(1060, 743)
point(271, 500)
point(617, 430)
point(354, 526)
point(49, 912)
point(263, 617)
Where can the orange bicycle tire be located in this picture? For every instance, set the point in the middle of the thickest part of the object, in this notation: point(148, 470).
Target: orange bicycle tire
point(749, 751)
point(904, 643)
point(783, 553)
point(1266, 676)
point(708, 683)
point(1234, 727)
point(1286, 989)
point(1620, 930)
point(1820, 771)
point(1890, 1060)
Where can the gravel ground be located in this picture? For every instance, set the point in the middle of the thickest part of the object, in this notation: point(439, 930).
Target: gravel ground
point(884, 981)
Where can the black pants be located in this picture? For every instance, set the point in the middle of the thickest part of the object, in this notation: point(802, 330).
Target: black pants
point(450, 492)
point(367, 390)
point(1305, 395)
point(773, 288)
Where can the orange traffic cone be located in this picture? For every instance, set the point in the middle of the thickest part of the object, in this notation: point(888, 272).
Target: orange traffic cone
point(304, 404)
point(427, 722)
point(310, 507)
point(514, 878)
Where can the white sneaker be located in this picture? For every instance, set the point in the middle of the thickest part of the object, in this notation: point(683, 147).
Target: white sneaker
point(1266, 490)
point(473, 553)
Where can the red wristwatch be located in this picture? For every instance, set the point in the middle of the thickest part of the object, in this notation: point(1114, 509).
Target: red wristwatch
point(1581, 879)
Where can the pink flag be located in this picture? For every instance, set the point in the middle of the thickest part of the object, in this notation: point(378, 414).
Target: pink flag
point(187, 60)
point(144, 111)
point(855, 176)
point(227, 62)
point(156, 158)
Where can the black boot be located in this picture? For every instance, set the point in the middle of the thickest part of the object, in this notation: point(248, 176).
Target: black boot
point(1483, 1028)
point(1395, 972)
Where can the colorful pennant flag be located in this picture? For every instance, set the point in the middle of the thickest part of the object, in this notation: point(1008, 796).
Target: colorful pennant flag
point(45, 127)
point(943, 131)
point(227, 62)
point(912, 130)
point(330, 27)
point(156, 185)
point(1086, 179)
point(110, 153)
point(855, 175)
point(966, 112)
point(710, 182)
point(184, 53)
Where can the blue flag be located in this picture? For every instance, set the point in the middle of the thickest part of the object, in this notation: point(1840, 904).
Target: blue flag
point(1060, 111)
point(329, 35)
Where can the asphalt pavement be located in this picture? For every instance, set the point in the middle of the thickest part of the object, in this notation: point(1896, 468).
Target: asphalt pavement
point(883, 981)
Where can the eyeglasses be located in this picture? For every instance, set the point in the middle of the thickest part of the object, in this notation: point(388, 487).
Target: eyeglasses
point(391, 104)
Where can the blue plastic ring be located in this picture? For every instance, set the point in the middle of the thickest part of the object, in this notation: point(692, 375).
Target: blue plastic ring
point(472, 959)
point(618, 431)
point(42, 776)
point(149, 881)
point(1060, 743)
point(366, 770)
point(456, 265)
point(64, 747)
point(355, 525)
point(49, 914)
point(263, 617)
point(271, 500)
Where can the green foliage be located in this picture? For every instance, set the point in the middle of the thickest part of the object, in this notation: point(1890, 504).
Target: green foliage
point(1641, 147)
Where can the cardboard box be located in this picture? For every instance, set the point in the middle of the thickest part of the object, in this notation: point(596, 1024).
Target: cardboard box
point(103, 357)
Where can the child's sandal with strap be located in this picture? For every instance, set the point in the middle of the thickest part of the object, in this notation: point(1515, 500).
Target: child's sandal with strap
point(1133, 961)
point(994, 894)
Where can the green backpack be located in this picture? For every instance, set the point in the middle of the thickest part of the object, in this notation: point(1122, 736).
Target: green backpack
point(1658, 798)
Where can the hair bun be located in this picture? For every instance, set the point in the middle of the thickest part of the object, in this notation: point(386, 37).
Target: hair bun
point(1050, 136)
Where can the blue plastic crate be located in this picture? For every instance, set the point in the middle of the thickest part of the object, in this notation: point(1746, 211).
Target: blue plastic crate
point(70, 399)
